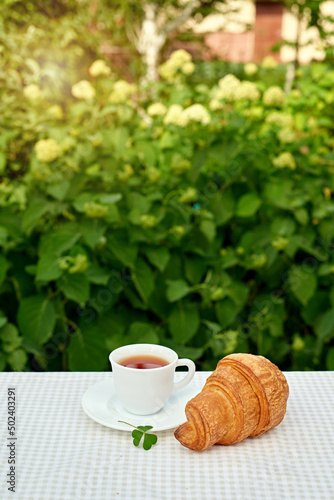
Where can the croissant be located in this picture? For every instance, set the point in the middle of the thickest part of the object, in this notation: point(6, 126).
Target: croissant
point(245, 395)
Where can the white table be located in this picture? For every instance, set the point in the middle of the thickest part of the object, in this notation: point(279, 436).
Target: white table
point(61, 454)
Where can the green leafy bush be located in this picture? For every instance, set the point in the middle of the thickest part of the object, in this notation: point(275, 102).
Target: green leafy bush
point(199, 217)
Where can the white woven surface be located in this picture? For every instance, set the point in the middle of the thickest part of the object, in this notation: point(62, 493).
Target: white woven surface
point(63, 455)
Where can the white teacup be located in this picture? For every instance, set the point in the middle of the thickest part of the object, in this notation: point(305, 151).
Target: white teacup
point(144, 391)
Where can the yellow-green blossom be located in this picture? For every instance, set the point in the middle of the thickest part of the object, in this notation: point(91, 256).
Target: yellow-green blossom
point(147, 220)
point(188, 68)
point(298, 343)
point(95, 210)
point(126, 173)
point(99, 68)
point(280, 119)
point(175, 115)
point(215, 105)
point(47, 150)
point(179, 165)
point(269, 62)
point(179, 60)
point(188, 196)
point(258, 260)
point(177, 231)
point(79, 264)
point(286, 135)
point(254, 113)
point(156, 109)
point(280, 243)
point(153, 174)
point(217, 293)
point(32, 91)
point(285, 160)
point(274, 96)
point(56, 111)
point(250, 69)
point(83, 90)
point(196, 113)
point(73, 265)
point(122, 91)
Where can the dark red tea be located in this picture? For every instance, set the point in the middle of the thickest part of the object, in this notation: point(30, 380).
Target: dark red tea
point(143, 362)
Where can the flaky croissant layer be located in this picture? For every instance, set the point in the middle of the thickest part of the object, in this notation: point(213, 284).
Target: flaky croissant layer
point(246, 395)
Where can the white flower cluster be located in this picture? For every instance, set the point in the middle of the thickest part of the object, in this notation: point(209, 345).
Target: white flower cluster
point(180, 60)
point(280, 119)
point(274, 96)
point(181, 117)
point(156, 109)
point(250, 69)
point(227, 87)
point(83, 90)
point(197, 113)
point(285, 160)
point(286, 135)
point(47, 150)
point(247, 90)
point(99, 68)
point(230, 88)
point(122, 91)
point(32, 91)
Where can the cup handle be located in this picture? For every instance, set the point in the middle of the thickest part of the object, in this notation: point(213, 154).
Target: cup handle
point(191, 371)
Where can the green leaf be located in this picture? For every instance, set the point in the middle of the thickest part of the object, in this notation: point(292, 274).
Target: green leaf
point(17, 360)
point(248, 205)
point(177, 289)
point(9, 333)
point(183, 322)
point(226, 312)
point(3, 362)
point(142, 333)
point(97, 275)
point(222, 207)
point(119, 139)
point(137, 435)
point(119, 244)
point(88, 350)
point(36, 318)
point(3, 161)
point(302, 216)
point(158, 256)
point(302, 283)
point(238, 292)
point(330, 359)
point(60, 239)
point(75, 287)
point(34, 213)
point(3, 319)
point(208, 228)
point(92, 231)
point(3, 236)
point(194, 268)
point(324, 327)
point(149, 441)
point(143, 279)
point(48, 268)
point(58, 191)
point(4, 265)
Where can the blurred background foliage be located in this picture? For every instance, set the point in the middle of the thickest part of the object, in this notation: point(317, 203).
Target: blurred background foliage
point(195, 211)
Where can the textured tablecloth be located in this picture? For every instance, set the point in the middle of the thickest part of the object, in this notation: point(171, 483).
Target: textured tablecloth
point(62, 454)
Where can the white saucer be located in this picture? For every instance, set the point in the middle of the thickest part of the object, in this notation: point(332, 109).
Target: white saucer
point(100, 403)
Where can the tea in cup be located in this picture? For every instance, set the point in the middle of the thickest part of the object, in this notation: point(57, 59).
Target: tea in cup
point(144, 376)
